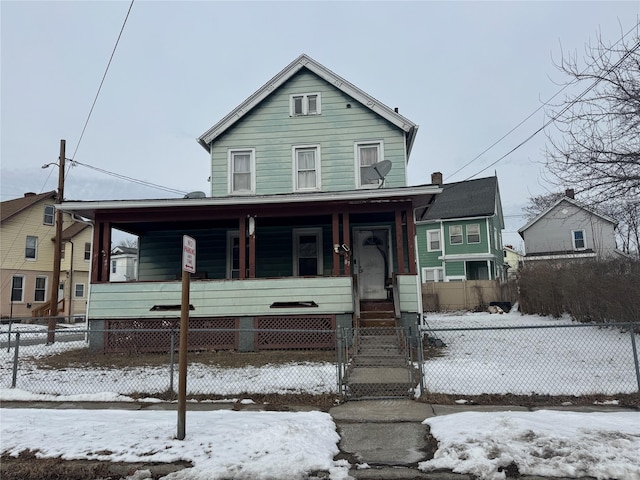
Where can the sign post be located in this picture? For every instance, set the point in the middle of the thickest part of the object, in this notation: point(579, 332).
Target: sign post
point(188, 267)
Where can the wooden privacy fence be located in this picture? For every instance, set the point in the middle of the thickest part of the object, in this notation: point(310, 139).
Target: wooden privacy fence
point(467, 295)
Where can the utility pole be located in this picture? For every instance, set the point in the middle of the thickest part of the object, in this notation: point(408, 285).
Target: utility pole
point(51, 330)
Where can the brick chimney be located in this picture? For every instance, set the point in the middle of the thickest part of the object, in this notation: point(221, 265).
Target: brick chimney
point(436, 178)
point(570, 193)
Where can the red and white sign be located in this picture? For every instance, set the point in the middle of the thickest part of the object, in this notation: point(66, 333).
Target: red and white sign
point(188, 254)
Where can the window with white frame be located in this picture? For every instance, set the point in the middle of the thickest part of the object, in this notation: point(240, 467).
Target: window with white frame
point(578, 238)
point(303, 104)
point(306, 160)
point(48, 215)
point(79, 290)
point(114, 266)
point(473, 233)
point(242, 171)
point(87, 251)
point(367, 154)
point(433, 240)
point(40, 291)
point(432, 274)
point(455, 234)
point(17, 288)
point(31, 248)
point(307, 246)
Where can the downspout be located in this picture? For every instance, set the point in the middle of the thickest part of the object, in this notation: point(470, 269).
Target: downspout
point(71, 290)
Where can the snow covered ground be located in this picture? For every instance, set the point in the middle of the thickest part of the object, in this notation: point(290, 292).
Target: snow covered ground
point(282, 445)
point(268, 445)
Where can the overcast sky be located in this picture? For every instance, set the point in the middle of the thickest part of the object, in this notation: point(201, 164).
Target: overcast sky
point(465, 72)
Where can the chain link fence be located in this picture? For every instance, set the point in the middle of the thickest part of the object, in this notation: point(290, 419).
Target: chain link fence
point(560, 360)
point(565, 359)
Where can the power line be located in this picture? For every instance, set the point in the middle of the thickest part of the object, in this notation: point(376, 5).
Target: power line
point(561, 112)
point(531, 115)
point(130, 179)
point(102, 81)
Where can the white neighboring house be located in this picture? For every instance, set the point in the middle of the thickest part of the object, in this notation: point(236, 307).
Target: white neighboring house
point(512, 261)
point(568, 230)
point(124, 264)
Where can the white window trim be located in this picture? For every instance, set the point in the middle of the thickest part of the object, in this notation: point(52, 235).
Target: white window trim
point(75, 290)
point(35, 284)
point(467, 233)
point(305, 104)
point(294, 149)
point(22, 289)
point(437, 278)
point(53, 215)
point(461, 235)
point(85, 252)
point(584, 239)
point(35, 257)
point(429, 232)
point(252, 163)
point(297, 233)
point(356, 155)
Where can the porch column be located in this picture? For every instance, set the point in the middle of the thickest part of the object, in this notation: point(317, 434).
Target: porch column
point(399, 241)
point(252, 246)
point(242, 247)
point(346, 237)
point(335, 231)
point(101, 252)
point(411, 241)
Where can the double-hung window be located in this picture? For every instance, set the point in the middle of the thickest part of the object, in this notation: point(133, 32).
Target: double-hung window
point(242, 171)
point(473, 233)
point(17, 288)
point(40, 291)
point(87, 251)
point(79, 293)
point(306, 160)
point(368, 154)
point(578, 238)
point(455, 234)
point(303, 104)
point(432, 275)
point(31, 248)
point(48, 215)
point(433, 240)
point(307, 245)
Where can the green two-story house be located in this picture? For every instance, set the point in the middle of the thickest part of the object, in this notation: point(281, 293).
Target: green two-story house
point(309, 216)
point(460, 236)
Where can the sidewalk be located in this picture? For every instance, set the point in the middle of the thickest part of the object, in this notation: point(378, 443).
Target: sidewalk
point(381, 439)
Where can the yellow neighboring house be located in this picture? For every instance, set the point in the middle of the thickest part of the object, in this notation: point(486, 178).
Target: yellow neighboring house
point(27, 232)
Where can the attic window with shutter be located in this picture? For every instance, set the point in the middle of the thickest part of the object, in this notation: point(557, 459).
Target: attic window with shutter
point(304, 104)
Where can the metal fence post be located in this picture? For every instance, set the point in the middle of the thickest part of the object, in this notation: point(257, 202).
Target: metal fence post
point(339, 352)
point(171, 361)
point(9, 336)
point(15, 361)
point(635, 353)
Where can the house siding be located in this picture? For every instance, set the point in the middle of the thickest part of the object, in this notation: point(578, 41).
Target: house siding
point(552, 233)
point(235, 298)
point(271, 131)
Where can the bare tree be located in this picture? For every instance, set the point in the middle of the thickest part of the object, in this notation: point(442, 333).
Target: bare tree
point(129, 242)
point(540, 203)
point(596, 148)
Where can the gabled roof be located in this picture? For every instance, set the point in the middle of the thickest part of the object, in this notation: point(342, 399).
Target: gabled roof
point(304, 61)
point(121, 250)
point(573, 202)
point(12, 207)
point(73, 230)
point(471, 198)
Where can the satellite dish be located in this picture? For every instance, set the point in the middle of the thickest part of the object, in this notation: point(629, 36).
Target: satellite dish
point(195, 195)
point(377, 171)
